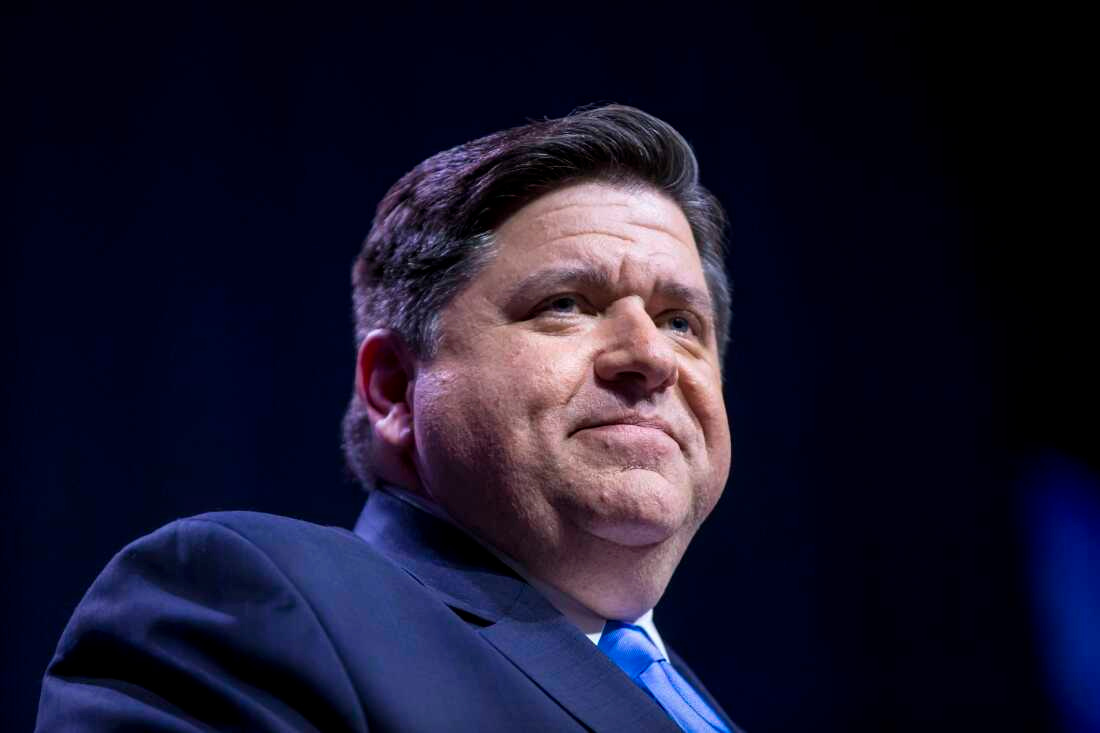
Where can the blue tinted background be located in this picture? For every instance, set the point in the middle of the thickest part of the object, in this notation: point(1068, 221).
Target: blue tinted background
point(186, 190)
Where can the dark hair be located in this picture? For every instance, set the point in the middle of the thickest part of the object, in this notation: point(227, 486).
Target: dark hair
point(432, 231)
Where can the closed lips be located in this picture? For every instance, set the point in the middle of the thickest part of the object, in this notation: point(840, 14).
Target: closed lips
point(653, 423)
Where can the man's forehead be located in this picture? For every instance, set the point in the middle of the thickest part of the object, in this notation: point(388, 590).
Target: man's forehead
point(599, 237)
point(597, 208)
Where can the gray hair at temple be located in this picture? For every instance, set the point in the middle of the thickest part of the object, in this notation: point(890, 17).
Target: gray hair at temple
point(432, 231)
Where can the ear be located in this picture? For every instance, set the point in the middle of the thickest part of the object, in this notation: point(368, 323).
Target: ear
point(385, 373)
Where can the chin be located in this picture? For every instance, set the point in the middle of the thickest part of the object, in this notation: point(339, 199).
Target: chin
point(634, 507)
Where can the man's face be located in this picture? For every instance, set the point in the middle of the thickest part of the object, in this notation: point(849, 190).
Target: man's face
point(572, 415)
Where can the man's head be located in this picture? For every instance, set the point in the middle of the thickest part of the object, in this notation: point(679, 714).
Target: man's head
point(541, 315)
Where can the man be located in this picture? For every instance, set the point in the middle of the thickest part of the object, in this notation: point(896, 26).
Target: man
point(541, 316)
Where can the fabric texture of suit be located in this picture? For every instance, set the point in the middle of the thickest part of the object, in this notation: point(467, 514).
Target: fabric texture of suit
point(252, 622)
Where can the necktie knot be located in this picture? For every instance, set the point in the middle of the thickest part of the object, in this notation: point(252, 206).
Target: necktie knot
point(629, 647)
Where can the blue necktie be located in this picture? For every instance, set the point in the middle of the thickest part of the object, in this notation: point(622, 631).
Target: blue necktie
point(631, 649)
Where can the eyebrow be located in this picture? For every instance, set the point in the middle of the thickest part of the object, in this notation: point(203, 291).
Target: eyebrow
point(597, 279)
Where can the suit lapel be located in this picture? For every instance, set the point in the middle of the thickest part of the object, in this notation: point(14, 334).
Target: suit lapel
point(520, 623)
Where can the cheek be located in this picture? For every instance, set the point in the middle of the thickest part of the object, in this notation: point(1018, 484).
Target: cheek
point(495, 408)
point(450, 419)
point(703, 393)
point(508, 396)
point(539, 372)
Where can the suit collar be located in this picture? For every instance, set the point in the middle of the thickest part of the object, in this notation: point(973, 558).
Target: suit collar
point(440, 556)
point(520, 623)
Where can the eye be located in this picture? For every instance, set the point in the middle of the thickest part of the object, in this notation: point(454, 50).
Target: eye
point(679, 323)
point(562, 304)
point(682, 323)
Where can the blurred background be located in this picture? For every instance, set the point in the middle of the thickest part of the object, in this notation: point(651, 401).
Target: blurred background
point(909, 540)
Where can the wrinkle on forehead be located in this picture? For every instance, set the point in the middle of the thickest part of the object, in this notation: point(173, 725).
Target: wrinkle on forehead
point(570, 204)
point(624, 259)
point(572, 212)
point(588, 232)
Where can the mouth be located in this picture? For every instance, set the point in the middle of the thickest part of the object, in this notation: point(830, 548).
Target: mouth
point(628, 424)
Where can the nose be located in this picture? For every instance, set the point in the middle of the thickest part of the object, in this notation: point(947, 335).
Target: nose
point(637, 353)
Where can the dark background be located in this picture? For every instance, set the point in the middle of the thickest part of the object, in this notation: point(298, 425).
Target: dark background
point(913, 319)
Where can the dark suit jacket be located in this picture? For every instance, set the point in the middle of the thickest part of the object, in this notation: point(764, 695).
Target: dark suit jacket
point(244, 621)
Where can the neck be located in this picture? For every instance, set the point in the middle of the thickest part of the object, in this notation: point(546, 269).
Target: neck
point(583, 617)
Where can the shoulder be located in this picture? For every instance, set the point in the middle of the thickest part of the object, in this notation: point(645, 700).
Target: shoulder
point(223, 616)
point(266, 533)
point(257, 528)
point(239, 552)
